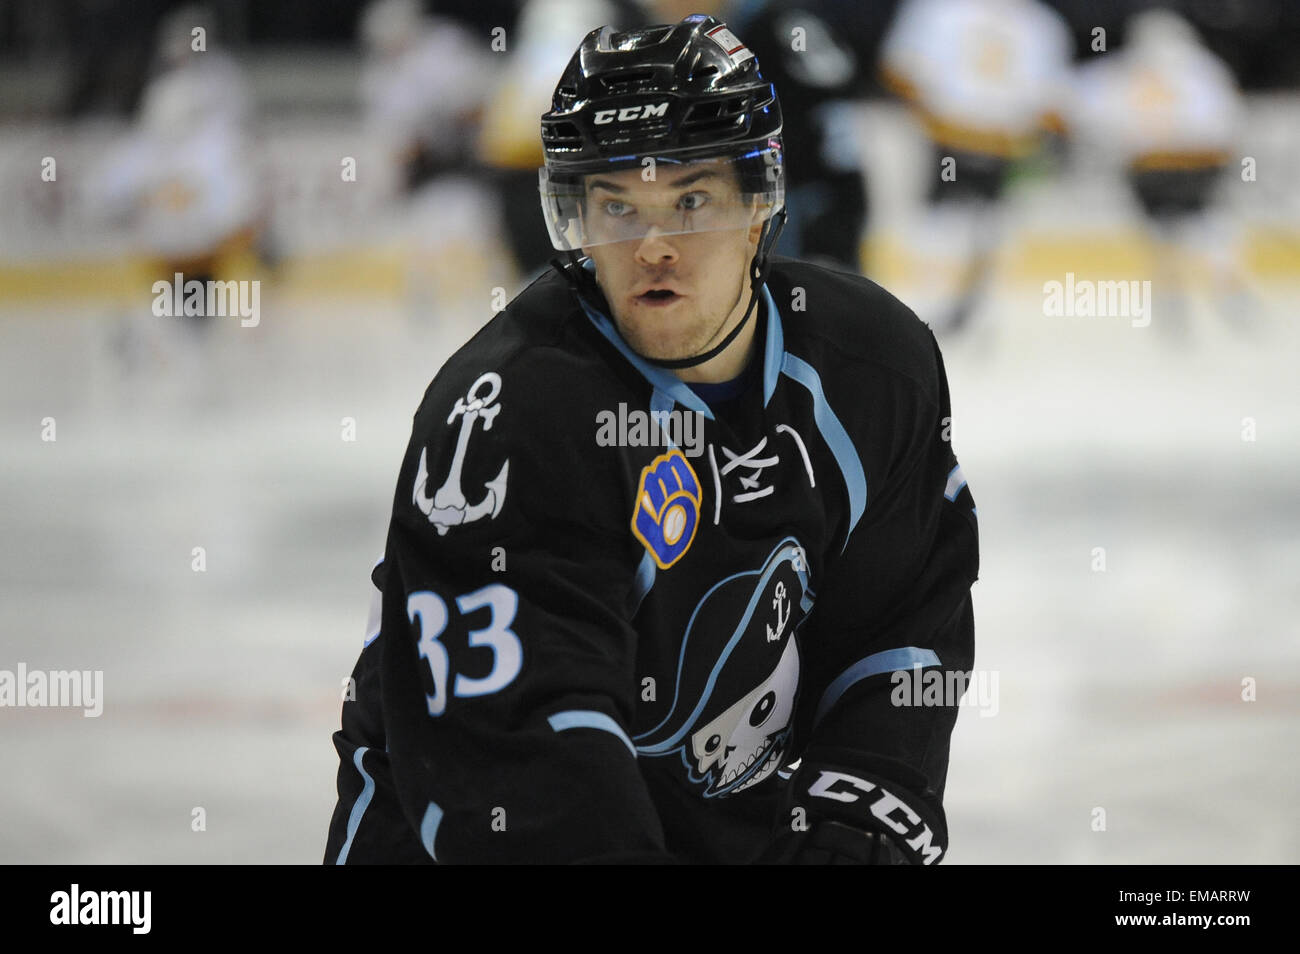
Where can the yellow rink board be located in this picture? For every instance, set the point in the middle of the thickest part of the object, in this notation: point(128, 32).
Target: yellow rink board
point(1272, 255)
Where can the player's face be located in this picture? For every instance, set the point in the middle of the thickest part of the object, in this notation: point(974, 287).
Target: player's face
point(673, 294)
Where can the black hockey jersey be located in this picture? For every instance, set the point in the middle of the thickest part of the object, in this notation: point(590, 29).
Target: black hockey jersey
point(616, 623)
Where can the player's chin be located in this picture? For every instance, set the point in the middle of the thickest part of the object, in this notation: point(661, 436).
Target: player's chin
point(651, 343)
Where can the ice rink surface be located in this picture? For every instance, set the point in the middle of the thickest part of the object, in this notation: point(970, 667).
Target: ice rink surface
point(1122, 690)
point(1119, 690)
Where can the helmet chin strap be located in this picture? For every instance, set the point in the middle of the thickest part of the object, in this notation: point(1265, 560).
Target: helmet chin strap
point(586, 285)
point(757, 275)
point(722, 345)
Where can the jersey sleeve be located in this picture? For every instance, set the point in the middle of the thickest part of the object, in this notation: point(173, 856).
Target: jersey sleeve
point(897, 601)
point(507, 673)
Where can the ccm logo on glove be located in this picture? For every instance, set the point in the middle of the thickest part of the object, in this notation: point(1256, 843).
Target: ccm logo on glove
point(842, 787)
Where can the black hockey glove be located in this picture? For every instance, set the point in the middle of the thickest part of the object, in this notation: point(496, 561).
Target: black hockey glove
point(843, 808)
point(833, 843)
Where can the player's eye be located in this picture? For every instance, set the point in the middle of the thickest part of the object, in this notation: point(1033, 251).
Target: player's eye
point(693, 201)
point(617, 209)
point(763, 708)
point(711, 746)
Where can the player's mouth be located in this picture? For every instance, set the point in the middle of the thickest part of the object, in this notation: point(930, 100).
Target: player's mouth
point(658, 297)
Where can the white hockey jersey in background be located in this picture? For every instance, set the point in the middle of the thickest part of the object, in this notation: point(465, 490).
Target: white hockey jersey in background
point(984, 74)
point(1163, 101)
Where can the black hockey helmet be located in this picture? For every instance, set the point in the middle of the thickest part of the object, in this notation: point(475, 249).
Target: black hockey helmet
point(684, 88)
point(662, 97)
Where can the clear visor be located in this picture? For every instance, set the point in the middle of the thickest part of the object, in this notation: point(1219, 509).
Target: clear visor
point(666, 196)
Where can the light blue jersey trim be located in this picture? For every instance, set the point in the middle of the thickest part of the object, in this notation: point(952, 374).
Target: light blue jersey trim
point(590, 719)
point(661, 402)
point(661, 378)
point(429, 828)
point(667, 382)
point(359, 808)
point(774, 355)
point(645, 579)
point(956, 481)
point(891, 660)
point(836, 438)
point(784, 552)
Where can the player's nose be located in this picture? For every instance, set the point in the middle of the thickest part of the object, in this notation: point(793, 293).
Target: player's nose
point(656, 248)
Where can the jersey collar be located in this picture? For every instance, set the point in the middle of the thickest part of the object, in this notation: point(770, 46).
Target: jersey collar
point(671, 385)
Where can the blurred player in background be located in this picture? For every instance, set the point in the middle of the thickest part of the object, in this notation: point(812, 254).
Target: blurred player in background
point(985, 78)
point(540, 45)
point(184, 181)
point(821, 55)
point(453, 99)
point(424, 85)
point(1169, 113)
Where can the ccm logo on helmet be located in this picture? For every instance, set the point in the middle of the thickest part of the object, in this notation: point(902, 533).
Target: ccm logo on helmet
point(628, 113)
point(840, 787)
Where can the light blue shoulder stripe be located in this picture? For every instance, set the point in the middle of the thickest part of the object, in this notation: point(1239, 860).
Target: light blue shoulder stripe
point(590, 719)
point(662, 402)
point(890, 660)
point(835, 436)
point(774, 353)
point(661, 378)
point(360, 806)
point(667, 382)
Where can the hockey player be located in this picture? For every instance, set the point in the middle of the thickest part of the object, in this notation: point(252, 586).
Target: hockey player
point(668, 525)
point(820, 54)
point(986, 79)
point(183, 178)
point(1168, 110)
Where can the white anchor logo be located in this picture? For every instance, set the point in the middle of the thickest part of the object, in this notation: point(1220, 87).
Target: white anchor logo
point(779, 604)
point(448, 506)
